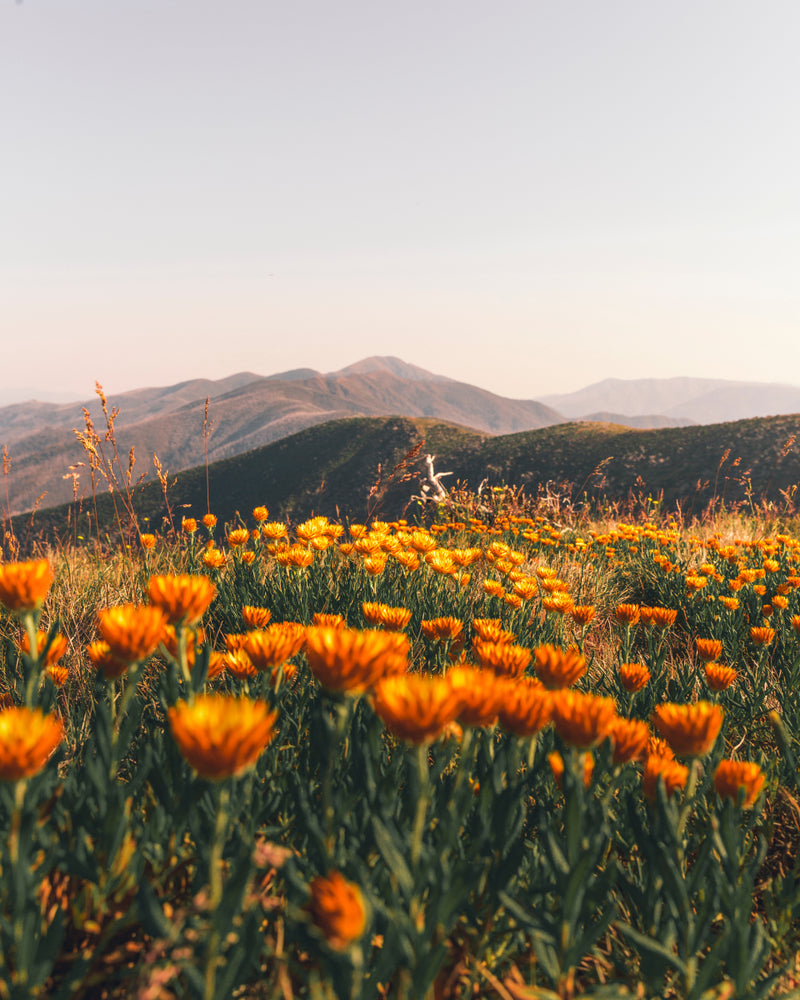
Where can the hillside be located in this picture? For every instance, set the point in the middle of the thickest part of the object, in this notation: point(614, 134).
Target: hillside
point(331, 468)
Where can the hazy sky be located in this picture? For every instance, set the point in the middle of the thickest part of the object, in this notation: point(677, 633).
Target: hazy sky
point(529, 196)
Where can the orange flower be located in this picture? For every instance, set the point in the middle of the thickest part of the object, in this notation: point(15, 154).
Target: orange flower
point(481, 695)
point(633, 676)
point(630, 738)
point(656, 747)
point(720, 677)
point(188, 525)
point(627, 614)
point(101, 657)
point(349, 660)
point(239, 664)
point(183, 599)
point(254, 617)
point(337, 908)
point(663, 617)
point(708, 650)
point(761, 635)
point(331, 621)
point(502, 657)
point(382, 614)
point(221, 736)
point(494, 588)
point(414, 707)
point(238, 537)
point(490, 630)
point(732, 775)
point(270, 647)
point(795, 623)
point(440, 562)
point(214, 558)
point(147, 541)
point(57, 647)
point(582, 720)
point(582, 614)
point(556, 762)
point(442, 629)
point(526, 707)
point(558, 668)
point(691, 730)
point(673, 774)
point(57, 674)
point(28, 738)
point(260, 514)
point(24, 585)
point(210, 520)
point(274, 530)
point(132, 632)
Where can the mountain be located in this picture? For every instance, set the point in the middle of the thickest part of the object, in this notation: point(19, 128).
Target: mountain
point(699, 400)
point(246, 411)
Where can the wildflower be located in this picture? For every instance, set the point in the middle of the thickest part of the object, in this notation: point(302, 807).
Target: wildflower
point(582, 720)
point(331, 621)
point(526, 589)
point(672, 773)
point(630, 738)
point(132, 632)
point(311, 528)
point(627, 614)
point(442, 629)
point(526, 707)
point(414, 707)
point(504, 658)
point(489, 630)
point(795, 623)
point(188, 525)
point(24, 585)
point(274, 530)
point(57, 674)
point(732, 775)
point(558, 668)
point(270, 647)
point(513, 600)
point(239, 664)
point(731, 603)
point(440, 562)
point(708, 649)
point(381, 614)
point(101, 657)
point(255, 617)
point(664, 617)
point(337, 908)
point(349, 660)
point(633, 676)
point(582, 614)
point(221, 736)
point(780, 602)
point(28, 738)
point(691, 730)
point(493, 588)
point(720, 677)
point(183, 599)
point(695, 583)
point(57, 648)
point(481, 695)
point(556, 762)
point(761, 635)
point(260, 514)
point(375, 564)
point(559, 602)
point(238, 537)
point(210, 520)
point(656, 747)
point(147, 541)
point(214, 558)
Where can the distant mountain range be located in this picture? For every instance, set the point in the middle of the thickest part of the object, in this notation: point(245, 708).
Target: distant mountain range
point(248, 411)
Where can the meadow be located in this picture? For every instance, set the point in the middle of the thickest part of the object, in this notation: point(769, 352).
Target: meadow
point(498, 753)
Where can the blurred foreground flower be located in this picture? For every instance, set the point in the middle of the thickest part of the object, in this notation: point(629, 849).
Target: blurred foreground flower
point(28, 737)
point(558, 668)
point(24, 585)
point(673, 773)
point(221, 736)
point(131, 631)
point(337, 908)
point(582, 720)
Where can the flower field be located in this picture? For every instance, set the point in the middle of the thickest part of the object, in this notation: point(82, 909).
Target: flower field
point(483, 758)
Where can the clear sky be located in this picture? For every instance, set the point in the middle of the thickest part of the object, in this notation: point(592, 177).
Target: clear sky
point(530, 196)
